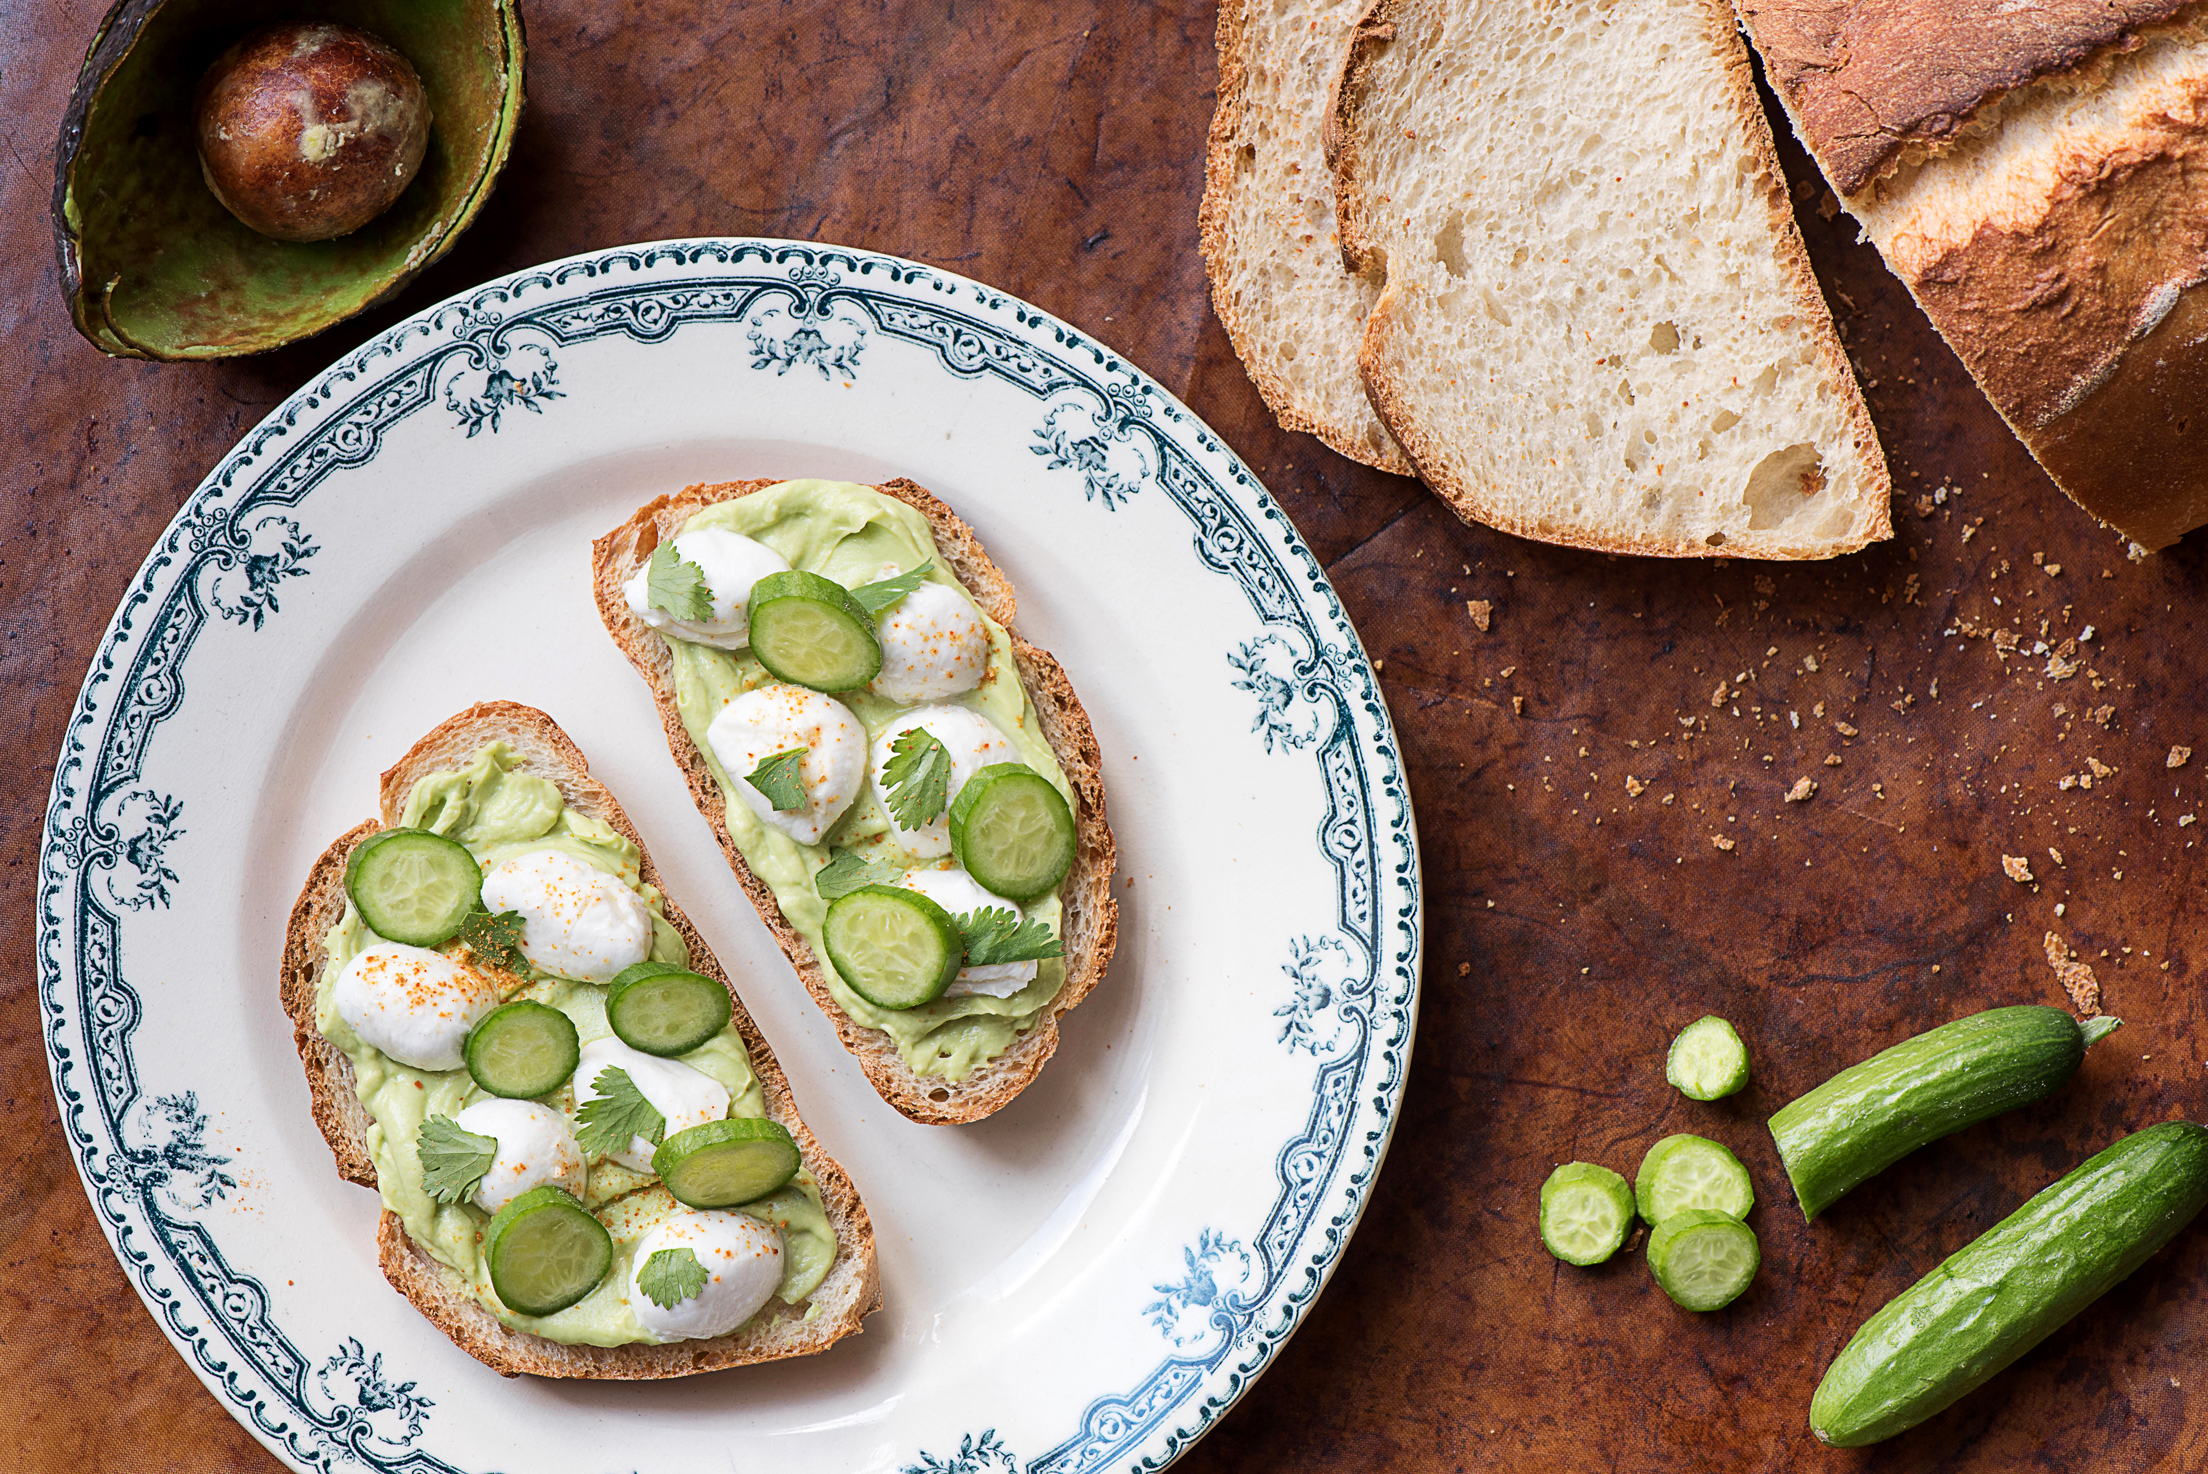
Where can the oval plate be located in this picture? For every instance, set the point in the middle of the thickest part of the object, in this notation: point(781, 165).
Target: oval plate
point(1086, 1280)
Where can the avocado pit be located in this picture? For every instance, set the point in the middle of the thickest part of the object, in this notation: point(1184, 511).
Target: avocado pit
point(307, 132)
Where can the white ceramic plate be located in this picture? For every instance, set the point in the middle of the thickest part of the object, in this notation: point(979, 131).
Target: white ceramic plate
point(1084, 1281)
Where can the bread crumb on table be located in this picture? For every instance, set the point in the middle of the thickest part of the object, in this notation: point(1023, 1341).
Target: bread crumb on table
point(1721, 842)
point(2179, 756)
point(2017, 868)
point(2076, 978)
point(1801, 791)
point(1482, 612)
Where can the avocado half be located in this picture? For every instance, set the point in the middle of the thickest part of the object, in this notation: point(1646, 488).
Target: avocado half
point(154, 266)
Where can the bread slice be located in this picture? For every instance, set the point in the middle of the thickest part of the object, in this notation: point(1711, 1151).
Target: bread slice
point(1091, 916)
point(2033, 175)
point(853, 1288)
point(1599, 326)
point(1268, 235)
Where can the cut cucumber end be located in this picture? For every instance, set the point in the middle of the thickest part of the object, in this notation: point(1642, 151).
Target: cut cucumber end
point(724, 1163)
point(666, 1011)
point(1707, 1061)
point(1691, 1172)
point(546, 1252)
point(809, 631)
point(1586, 1212)
point(1703, 1260)
point(413, 886)
point(2099, 1027)
point(522, 1050)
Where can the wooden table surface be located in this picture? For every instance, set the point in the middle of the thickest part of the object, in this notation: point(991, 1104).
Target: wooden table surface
point(1573, 766)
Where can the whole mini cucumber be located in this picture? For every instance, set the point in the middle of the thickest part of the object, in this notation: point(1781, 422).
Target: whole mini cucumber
point(2002, 1294)
point(1871, 1115)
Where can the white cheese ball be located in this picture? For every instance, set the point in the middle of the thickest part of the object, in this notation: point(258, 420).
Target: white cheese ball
point(535, 1146)
point(577, 921)
point(933, 645)
point(742, 1260)
point(686, 1097)
point(731, 563)
point(973, 743)
point(957, 892)
point(775, 718)
point(413, 1004)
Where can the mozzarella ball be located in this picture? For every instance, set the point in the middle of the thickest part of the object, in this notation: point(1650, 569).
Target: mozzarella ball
point(413, 1004)
point(933, 645)
point(535, 1146)
point(742, 1260)
point(731, 563)
point(686, 1097)
point(957, 892)
point(973, 743)
point(775, 718)
point(577, 921)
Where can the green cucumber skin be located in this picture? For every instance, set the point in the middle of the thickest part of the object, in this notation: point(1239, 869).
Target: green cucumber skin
point(1871, 1115)
point(2006, 1291)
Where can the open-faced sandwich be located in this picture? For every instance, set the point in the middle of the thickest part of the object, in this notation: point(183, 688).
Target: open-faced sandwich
point(589, 1161)
point(909, 791)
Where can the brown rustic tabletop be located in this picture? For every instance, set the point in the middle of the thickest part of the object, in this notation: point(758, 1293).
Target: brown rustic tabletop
point(1601, 752)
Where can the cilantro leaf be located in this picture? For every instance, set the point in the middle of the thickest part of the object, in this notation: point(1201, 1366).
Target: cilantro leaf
point(670, 1277)
point(847, 871)
point(917, 778)
point(616, 1115)
point(778, 778)
point(995, 935)
point(495, 939)
point(883, 596)
point(678, 586)
point(453, 1160)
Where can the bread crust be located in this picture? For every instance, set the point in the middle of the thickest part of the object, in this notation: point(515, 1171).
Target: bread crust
point(1437, 465)
point(1091, 925)
point(853, 1288)
point(1873, 87)
point(1219, 243)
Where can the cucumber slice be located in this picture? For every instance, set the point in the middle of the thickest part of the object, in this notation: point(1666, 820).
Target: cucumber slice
point(522, 1050)
point(1585, 1212)
point(809, 631)
point(723, 1163)
point(664, 1010)
point(1707, 1060)
point(1703, 1259)
point(1691, 1172)
point(545, 1252)
point(413, 886)
point(1013, 832)
point(896, 948)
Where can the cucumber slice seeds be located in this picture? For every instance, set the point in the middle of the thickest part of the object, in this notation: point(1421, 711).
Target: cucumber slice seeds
point(1689, 1173)
point(545, 1252)
point(1586, 1211)
point(723, 1163)
point(809, 631)
point(1703, 1259)
point(665, 1010)
point(522, 1050)
point(1708, 1061)
point(413, 886)
point(1012, 832)
point(895, 948)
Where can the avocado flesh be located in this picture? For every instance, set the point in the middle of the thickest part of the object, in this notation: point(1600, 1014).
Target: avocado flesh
point(153, 264)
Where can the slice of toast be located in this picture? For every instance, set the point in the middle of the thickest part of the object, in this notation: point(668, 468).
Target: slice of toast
point(853, 1288)
point(1091, 924)
point(1600, 326)
point(1267, 226)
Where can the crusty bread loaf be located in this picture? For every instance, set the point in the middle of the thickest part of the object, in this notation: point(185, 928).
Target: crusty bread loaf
point(1599, 325)
point(1091, 917)
point(2038, 177)
point(853, 1288)
point(1267, 226)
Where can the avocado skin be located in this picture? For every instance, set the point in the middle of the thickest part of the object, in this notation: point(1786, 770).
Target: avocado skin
point(153, 266)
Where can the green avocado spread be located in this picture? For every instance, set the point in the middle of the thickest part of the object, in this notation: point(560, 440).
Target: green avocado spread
point(850, 534)
point(499, 812)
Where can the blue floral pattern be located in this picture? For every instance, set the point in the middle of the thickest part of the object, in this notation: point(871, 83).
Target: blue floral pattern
point(240, 544)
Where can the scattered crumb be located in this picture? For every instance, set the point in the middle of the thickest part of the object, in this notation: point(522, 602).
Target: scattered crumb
point(2178, 758)
point(1482, 612)
point(1517, 706)
point(2017, 868)
point(1634, 785)
point(1844, 729)
point(1801, 791)
point(2183, 820)
point(1464, 969)
point(2054, 854)
point(1667, 798)
point(2076, 978)
point(1721, 841)
point(2100, 769)
point(1508, 671)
